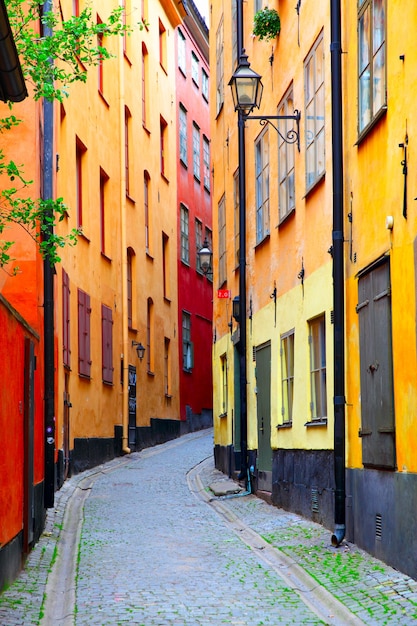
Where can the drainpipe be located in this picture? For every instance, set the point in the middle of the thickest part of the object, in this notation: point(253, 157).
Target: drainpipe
point(242, 271)
point(338, 276)
point(123, 243)
point(48, 300)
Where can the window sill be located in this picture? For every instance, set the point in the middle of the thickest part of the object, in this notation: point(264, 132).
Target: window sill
point(105, 257)
point(222, 415)
point(371, 125)
point(285, 218)
point(259, 244)
point(317, 422)
point(315, 184)
point(284, 426)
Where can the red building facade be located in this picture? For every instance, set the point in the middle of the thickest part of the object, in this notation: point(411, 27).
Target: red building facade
point(195, 289)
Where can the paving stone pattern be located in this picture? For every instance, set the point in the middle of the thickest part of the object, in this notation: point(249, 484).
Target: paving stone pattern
point(154, 553)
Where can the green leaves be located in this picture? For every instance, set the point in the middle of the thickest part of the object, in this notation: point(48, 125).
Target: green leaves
point(54, 53)
point(267, 24)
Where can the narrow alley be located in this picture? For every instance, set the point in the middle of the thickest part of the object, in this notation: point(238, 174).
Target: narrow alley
point(143, 541)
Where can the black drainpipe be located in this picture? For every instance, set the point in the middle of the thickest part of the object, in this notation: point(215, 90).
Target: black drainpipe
point(338, 275)
point(48, 302)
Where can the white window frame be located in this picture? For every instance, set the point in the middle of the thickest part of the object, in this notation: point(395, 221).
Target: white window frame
point(314, 118)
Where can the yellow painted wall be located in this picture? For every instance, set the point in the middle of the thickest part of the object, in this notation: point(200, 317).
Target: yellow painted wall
point(374, 186)
point(98, 121)
point(301, 241)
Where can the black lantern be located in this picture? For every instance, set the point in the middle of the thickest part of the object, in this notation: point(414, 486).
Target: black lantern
point(140, 349)
point(205, 255)
point(246, 86)
point(236, 308)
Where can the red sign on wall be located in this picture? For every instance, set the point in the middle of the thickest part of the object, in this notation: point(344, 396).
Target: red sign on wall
point(223, 293)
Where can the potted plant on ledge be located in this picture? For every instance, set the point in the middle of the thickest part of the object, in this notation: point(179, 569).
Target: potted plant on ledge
point(266, 24)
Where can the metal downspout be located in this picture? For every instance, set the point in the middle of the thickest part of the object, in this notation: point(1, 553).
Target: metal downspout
point(48, 300)
point(338, 275)
point(242, 271)
point(123, 253)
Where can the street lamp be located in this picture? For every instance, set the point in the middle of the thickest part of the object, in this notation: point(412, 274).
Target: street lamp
point(205, 255)
point(140, 349)
point(247, 88)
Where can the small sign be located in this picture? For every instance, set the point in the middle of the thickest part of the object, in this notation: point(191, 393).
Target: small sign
point(223, 293)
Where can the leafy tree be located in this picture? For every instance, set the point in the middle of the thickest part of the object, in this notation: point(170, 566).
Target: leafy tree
point(54, 53)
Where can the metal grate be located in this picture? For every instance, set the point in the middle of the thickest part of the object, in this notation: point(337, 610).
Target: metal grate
point(314, 500)
point(378, 526)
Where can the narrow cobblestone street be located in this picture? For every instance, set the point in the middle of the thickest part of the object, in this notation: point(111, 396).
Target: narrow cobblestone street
point(157, 548)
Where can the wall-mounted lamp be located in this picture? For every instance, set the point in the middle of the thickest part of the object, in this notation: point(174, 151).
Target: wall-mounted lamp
point(236, 308)
point(140, 349)
point(205, 255)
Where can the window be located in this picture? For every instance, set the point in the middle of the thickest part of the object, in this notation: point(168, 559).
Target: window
point(286, 153)
point(317, 341)
point(262, 186)
point(223, 385)
point(183, 135)
point(167, 367)
point(130, 255)
point(84, 314)
point(107, 344)
point(287, 376)
point(145, 61)
point(128, 121)
point(150, 336)
point(219, 66)
point(195, 69)
point(165, 265)
point(182, 63)
point(80, 151)
point(205, 85)
point(196, 151)
point(206, 162)
point(76, 7)
point(164, 146)
point(66, 351)
point(103, 184)
point(372, 64)
point(236, 210)
point(222, 241)
point(198, 242)
point(187, 346)
point(100, 44)
point(235, 52)
point(185, 242)
point(314, 113)
point(146, 184)
point(162, 46)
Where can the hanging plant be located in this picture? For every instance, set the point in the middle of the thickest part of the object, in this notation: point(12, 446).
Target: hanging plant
point(266, 24)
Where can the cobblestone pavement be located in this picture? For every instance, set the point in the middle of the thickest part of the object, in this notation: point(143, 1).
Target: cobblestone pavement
point(157, 548)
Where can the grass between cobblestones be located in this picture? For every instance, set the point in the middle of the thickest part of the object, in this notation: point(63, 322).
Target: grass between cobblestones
point(362, 583)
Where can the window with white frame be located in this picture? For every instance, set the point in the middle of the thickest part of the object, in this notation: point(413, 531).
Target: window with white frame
point(185, 235)
point(205, 84)
point(314, 113)
point(372, 62)
point(262, 185)
point(286, 153)
point(182, 63)
point(223, 385)
point(196, 152)
point(219, 66)
point(195, 69)
point(206, 162)
point(236, 211)
point(287, 376)
point(183, 134)
point(317, 341)
point(198, 242)
point(187, 346)
point(222, 240)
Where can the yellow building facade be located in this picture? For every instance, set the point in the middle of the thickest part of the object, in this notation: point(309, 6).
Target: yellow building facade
point(289, 295)
point(116, 289)
point(380, 262)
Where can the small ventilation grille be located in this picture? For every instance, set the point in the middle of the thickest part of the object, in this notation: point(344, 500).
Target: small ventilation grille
point(331, 317)
point(378, 526)
point(254, 354)
point(314, 500)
